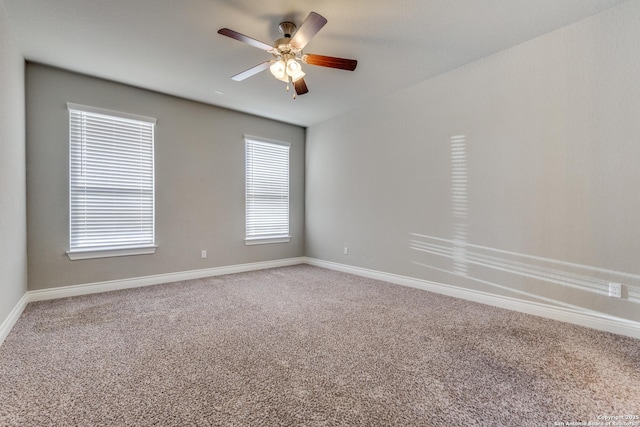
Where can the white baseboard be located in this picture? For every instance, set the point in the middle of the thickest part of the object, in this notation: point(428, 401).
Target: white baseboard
point(586, 318)
point(583, 318)
point(12, 318)
point(136, 282)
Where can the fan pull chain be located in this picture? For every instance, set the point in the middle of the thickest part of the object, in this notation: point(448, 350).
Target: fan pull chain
point(288, 83)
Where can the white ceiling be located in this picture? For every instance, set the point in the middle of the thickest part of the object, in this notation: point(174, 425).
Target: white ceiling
point(172, 46)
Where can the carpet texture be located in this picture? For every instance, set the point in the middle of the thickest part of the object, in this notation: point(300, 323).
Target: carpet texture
point(306, 346)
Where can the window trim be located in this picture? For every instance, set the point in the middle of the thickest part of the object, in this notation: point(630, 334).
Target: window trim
point(250, 241)
point(114, 113)
point(269, 239)
point(110, 252)
point(118, 250)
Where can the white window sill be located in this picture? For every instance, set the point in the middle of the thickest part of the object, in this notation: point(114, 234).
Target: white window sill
point(266, 240)
point(110, 252)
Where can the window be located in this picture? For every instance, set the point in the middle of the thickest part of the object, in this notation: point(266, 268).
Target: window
point(267, 191)
point(111, 183)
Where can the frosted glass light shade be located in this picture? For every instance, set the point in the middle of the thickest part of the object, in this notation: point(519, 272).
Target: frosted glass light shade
point(278, 69)
point(293, 67)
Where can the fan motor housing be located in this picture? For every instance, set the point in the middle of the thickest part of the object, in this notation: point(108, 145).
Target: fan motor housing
point(283, 46)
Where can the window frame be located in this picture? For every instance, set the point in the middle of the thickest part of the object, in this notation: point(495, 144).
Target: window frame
point(110, 250)
point(260, 239)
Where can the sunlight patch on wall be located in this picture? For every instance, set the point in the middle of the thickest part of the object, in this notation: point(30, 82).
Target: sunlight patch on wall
point(459, 203)
point(583, 277)
point(457, 255)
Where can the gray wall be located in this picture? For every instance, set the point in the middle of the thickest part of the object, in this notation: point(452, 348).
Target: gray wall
point(13, 206)
point(552, 168)
point(199, 155)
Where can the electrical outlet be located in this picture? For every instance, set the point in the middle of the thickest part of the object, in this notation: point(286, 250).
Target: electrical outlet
point(615, 290)
point(345, 250)
point(203, 253)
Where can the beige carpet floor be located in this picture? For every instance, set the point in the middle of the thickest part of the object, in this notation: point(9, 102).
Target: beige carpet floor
point(306, 346)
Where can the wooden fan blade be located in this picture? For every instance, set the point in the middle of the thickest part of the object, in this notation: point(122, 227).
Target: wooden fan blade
point(307, 30)
point(300, 86)
point(245, 39)
point(330, 61)
point(251, 71)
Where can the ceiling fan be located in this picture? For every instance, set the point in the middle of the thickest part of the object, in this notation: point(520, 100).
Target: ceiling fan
point(288, 54)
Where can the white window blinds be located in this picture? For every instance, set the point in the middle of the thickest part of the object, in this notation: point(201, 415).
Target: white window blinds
point(267, 191)
point(111, 182)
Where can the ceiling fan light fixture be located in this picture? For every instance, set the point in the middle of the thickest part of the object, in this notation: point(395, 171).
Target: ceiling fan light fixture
point(278, 69)
point(293, 67)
